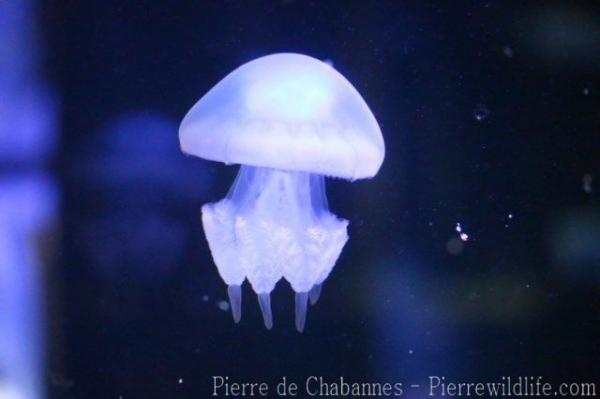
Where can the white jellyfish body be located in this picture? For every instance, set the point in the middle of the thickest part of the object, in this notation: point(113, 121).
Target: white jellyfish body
point(289, 120)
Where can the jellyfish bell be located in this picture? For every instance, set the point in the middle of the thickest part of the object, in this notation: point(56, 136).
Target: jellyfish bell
point(289, 112)
point(289, 120)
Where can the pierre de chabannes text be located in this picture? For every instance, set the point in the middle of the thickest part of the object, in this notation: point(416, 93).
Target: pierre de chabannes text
point(320, 387)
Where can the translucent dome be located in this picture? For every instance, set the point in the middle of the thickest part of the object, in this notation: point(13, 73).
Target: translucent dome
point(289, 112)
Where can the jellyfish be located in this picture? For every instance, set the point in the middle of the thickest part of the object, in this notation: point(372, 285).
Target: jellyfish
point(289, 121)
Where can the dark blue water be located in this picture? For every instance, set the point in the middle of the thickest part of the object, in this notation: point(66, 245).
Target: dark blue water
point(489, 112)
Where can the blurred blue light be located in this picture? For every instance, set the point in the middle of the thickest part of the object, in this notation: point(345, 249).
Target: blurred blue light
point(140, 149)
point(28, 200)
point(140, 183)
point(27, 108)
point(27, 207)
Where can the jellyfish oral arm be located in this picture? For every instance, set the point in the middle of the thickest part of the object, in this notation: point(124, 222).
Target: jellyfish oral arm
point(274, 224)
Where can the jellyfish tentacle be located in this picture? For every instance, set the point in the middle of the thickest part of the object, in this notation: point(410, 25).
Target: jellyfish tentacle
point(264, 301)
point(301, 309)
point(315, 293)
point(235, 300)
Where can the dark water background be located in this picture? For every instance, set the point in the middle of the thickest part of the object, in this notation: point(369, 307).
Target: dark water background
point(489, 112)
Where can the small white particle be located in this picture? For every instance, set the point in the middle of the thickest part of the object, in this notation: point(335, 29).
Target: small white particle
point(180, 381)
point(223, 305)
point(205, 298)
point(481, 112)
point(410, 352)
point(586, 91)
point(510, 215)
point(508, 51)
point(463, 236)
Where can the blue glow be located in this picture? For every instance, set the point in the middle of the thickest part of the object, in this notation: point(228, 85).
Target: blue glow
point(27, 207)
point(28, 121)
point(28, 200)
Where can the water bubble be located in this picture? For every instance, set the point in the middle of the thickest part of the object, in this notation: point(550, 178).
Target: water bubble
point(481, 112)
